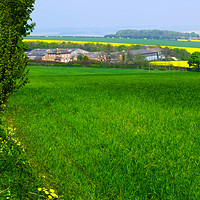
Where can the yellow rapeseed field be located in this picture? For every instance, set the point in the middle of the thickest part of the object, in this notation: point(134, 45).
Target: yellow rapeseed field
point(184, 40)
point(174, 63)
point(79, 42)
point(195, 40)
point(189, 49)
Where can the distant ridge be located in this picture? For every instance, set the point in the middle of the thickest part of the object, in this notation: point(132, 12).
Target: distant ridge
point(152, 34)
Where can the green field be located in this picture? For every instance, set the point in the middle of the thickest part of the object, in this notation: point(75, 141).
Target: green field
point(122, 40)
point(110, 133)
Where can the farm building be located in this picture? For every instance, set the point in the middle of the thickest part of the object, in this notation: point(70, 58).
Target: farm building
point(54, 55)
point(67, 55)
point(58, 55)
point(150, 54)
point(76, 52)
point(99, 56)
point(37, 54)
point(63, 55)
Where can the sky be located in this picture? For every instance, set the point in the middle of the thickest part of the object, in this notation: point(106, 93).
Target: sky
point(59, 15)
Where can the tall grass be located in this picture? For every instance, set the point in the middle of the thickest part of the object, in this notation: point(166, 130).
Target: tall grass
point(112, 135)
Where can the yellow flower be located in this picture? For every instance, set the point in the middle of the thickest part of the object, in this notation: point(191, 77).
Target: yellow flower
point(39, 189)
point(54, 195)
point(46, 192)
point(50, 197)
point(51, 190)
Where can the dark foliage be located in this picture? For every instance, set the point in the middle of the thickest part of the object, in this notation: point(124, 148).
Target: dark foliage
point(152, 34)
point(13, 62)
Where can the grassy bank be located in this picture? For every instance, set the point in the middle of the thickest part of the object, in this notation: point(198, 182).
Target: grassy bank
point(18, 180)
point(112, 133)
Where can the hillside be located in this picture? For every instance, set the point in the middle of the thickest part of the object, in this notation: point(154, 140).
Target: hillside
point(152, 34)
point(102, 134)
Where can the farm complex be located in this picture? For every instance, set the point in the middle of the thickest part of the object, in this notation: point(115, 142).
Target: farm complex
point(152, 50)
point(67, 55)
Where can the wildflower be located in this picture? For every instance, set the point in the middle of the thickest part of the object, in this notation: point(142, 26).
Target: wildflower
point(46, 192)
point(50, 197)
point(39, 189)
point(54, 195)
point(51, 190)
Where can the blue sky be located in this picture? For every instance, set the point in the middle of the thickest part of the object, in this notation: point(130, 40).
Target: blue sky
point(140, 14)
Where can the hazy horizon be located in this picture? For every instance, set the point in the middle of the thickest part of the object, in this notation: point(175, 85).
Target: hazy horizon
point(94, 31)
point(106, 17)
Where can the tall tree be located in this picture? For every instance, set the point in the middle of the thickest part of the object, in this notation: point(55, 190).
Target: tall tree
point(194, 59)
point(14, 25)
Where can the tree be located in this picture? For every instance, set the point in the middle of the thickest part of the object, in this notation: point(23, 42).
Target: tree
point(194, 59)
point(79, 57)
point(82, 58)
point(121, 48)
point(166, 52)
point(85, 58)
point(140, 61)
point(13, 61)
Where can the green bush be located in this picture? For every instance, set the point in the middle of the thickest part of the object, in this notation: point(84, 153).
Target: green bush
point(162, 69)
point(77, 65)
point(95, 65)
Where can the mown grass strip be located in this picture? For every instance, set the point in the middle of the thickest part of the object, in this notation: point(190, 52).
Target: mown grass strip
point(17, 179)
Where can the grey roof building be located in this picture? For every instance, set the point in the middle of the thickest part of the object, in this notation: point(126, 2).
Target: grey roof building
point(54, 55)
point(58, 51)
point(148, 53)
point(76, 52)
point(37, 54)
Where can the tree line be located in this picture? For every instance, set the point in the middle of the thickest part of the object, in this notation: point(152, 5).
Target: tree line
point(152, 34)
point(91, 47)
point(180, 54)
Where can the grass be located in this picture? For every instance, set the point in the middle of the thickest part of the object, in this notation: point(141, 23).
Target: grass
point(18, 179)
point(111, 133)
point(16, 176)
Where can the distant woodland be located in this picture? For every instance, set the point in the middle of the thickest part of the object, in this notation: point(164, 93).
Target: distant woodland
point(152, 34)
